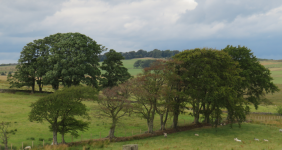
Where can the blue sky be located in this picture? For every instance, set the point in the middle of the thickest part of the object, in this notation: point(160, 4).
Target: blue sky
point(130, 25)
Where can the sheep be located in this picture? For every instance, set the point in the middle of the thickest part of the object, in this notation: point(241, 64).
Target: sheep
point(196, 134)
point(237, 140)
point(165, 135)
point(265, 140)
point(280, 130)
point(27, 147)
point(256, 139)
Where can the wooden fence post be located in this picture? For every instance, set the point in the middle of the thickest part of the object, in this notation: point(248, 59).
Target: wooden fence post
point(43, 143)
point(32, 144)
point(22, 145)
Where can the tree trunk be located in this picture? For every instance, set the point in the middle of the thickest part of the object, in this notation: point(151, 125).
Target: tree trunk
point(162, 122)
point(55, 136)
point(32, 87)
point(150, 124)
point(63, 138)
point(175, 120)
point(6, 143)
point(112, 129)
point(112, 132)
point(176, 112)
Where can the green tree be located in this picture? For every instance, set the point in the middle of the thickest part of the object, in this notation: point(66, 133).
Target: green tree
point(211, 79)
point(257, 80)
point(31, 66)
point(73, 59)
point(57, 108)
point(5, 133)
point(137, 63)
point(115, 73)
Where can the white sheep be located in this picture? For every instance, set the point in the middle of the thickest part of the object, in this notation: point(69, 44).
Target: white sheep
point(196, 134)
point(27, 147)
point(256, 139)
point(237, 140)
point(265, 140)
point(165, 135)
point(280, 130)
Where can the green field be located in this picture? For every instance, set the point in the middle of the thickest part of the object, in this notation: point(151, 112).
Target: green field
point(211, 139)
point(15, 108)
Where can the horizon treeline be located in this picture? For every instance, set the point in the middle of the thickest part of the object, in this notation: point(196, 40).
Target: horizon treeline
point(156, 53)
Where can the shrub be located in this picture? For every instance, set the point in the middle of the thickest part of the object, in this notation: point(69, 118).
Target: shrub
point(41, 139)
point(32, 138)
point(50, 139)
point(279, 110)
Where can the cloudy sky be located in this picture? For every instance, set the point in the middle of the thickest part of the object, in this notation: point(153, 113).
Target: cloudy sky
point(130, 25)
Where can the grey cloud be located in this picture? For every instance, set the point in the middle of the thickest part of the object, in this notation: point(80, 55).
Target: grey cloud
point(209, 11)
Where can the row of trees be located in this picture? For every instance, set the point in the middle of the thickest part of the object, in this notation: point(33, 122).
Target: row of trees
point(67, 58)
point(142, 53)
point(209, 80)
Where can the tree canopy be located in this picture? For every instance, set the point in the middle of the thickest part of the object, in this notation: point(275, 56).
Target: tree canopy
point(59, 107)
point(115, 73)
point(256, 78)
point(69, 58)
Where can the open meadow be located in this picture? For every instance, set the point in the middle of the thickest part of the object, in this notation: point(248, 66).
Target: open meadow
point(15, 108)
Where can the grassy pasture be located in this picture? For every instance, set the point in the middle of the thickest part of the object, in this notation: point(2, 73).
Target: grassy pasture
point(15, 108)
point(209, 138)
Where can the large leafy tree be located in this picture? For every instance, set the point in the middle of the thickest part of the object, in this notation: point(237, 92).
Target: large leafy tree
point(59, 107)
point(73, 58)
point(211, 79)
point(256, 78)
point(115, 72)
point(31, 67)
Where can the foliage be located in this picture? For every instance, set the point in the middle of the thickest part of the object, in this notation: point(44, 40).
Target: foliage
point(279, 110)
point(211, 79)
point(58, 107)
point(142, 53)
point(5, 133)
point(72, 56)
point(114, 104)
point(256, 78)
point(31, 66)
point(147, 88)
point(115, 73)
point(143, 63)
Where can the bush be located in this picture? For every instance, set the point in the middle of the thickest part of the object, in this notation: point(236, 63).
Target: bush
point(32, 138)
point(279, 110)
point(50, 139)
point(41, 139)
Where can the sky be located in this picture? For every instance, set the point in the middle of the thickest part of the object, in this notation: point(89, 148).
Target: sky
point(130, 25)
